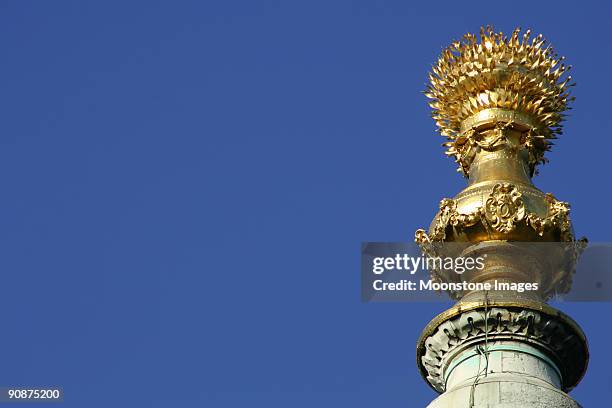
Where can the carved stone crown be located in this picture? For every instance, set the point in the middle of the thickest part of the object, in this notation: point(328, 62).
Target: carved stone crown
point(542, 326)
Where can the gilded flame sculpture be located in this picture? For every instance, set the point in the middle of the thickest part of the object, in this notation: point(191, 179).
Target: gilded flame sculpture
point(512, 81)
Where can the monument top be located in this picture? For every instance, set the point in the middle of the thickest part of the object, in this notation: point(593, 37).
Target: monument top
point(498, 82)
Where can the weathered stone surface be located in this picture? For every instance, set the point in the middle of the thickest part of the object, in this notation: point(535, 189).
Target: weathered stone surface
point(505, 392)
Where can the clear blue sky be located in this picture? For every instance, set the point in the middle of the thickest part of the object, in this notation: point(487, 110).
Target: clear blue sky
point(185, 186)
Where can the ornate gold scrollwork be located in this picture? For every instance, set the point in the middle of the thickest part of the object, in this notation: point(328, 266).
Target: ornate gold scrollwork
point(471, 141)
point(504, 209)
point(558, 216)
